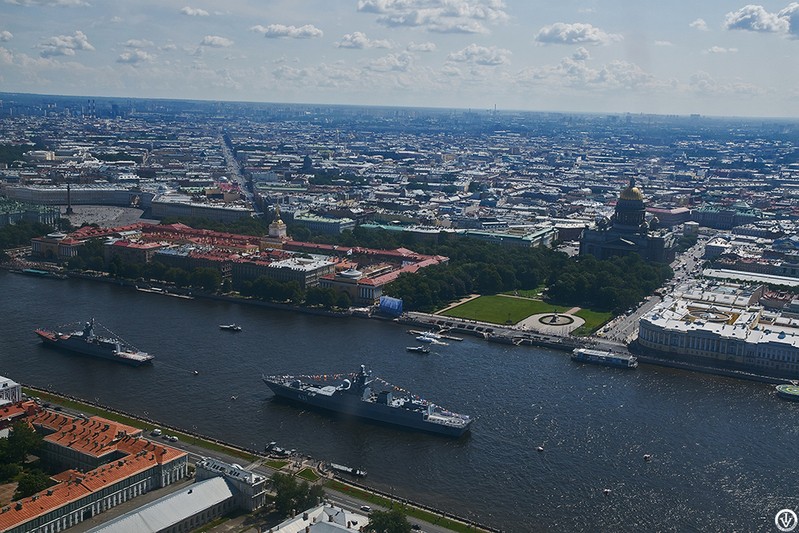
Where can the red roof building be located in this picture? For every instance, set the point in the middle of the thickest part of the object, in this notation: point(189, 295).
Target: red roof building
point(107, 464)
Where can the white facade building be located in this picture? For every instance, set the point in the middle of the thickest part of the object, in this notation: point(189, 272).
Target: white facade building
point(10, 391)
point(723, 325)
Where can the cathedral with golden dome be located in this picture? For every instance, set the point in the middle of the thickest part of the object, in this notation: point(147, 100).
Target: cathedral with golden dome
point(628, 232)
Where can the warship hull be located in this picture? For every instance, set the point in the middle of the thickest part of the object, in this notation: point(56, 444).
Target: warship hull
point(350, 404)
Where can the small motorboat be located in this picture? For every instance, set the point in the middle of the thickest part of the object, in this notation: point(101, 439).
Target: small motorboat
point(418, 349)
point(230, 327)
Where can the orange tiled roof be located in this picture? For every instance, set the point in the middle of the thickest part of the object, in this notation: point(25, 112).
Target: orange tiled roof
point(75, 485)
point(15, 410)
point(142, 455)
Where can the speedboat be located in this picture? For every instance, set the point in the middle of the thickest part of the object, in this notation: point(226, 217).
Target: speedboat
point(230, 327)
point(418, 349)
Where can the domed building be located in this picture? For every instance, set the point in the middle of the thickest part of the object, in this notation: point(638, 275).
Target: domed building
point(628, 232)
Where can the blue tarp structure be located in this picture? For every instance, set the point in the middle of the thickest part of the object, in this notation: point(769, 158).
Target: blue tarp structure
point(390, 306)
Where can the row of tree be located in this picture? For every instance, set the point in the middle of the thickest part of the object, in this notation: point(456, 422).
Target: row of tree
point(479, 267)
point(475, 266)
point(21, 233)
point(613, 284)
point(207, 279)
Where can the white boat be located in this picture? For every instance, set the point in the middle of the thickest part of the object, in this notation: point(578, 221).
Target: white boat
point(348, 470)
point(604, 357)
point(230, 327)
point(418, 349)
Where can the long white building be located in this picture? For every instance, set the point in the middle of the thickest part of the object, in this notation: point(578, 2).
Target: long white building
point(722, 325)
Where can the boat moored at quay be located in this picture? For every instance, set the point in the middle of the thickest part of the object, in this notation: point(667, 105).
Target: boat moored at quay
point(87, 342)
point(604, 357)
point(360, 395)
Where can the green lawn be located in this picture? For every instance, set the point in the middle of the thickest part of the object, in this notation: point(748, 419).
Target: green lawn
point(593, 321)
point(308, 474)
point(501, 309)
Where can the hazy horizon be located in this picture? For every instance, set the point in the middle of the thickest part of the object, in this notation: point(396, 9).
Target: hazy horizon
point(716, 58)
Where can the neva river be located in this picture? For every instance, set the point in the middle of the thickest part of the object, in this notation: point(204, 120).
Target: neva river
point(723, 450)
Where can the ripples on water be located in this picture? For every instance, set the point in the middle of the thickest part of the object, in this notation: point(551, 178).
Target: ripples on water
point(723, 450)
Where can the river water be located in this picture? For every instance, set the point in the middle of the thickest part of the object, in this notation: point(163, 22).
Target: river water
point(723, 450)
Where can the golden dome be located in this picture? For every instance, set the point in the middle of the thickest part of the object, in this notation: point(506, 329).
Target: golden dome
point(631, 193)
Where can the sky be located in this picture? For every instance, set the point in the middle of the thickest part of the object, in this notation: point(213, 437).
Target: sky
point(712, 57)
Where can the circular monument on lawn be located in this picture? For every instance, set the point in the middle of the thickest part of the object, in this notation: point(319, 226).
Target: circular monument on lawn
point(555, 319)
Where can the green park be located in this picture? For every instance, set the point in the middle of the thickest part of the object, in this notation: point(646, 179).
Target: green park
point(504, 309)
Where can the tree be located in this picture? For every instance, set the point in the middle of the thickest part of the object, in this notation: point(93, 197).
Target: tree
point(30, 483)
point(8, 472)
point(319, 296)
point(22, 440)
point(208, 279)
point(293, 496)
point(76, 263)
point(343, 301)
point(392, 521)
point(489, 280)
point(178, 276)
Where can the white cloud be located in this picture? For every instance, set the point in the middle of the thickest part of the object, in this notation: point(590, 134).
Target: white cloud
point(721, 50)
point(274, 31)
point(49, 3)
point(578, 75)
point(422, 47)
point(469, 26)
point(65, 45)
point(704, 83)
point(6, 57)
point(699, 24)
point(577, 33)
point(756, 18)
point(6, 36)
point(215, 41)
point(138, 43)
point(442, 16)
point(192, 12)
point(791, 14)
point(481, 55)
point(360, 40)
point(134, 57)
point(322, 75)
point(401, 62)
point(664, 43)
point(581, 54)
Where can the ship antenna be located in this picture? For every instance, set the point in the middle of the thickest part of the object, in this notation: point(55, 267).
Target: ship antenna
point(120, 339)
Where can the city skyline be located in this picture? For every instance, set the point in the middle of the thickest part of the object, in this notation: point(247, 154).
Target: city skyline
point(717, 58)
